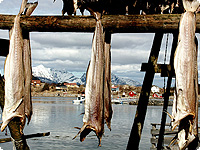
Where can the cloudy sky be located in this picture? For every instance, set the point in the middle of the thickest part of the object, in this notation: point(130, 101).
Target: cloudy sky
point(72, 51)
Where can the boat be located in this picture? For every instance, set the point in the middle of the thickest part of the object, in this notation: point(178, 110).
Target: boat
point(79, 100)
point(121, 100)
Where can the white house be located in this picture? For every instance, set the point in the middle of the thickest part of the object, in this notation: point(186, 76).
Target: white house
point(155, 89)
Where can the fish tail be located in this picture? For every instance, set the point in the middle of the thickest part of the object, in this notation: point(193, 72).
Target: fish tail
point(85, 130)
point(81, 130)
point(190, 5)
point(108, 123)
point(23, 6)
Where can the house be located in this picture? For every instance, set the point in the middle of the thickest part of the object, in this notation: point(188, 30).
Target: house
point(155, 89)
point(70, 84)
point(61, 88)
point(115, 88)
point(35, 82)
point(132, 93)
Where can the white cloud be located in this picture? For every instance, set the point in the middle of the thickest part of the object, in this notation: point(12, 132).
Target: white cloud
point(72, 50)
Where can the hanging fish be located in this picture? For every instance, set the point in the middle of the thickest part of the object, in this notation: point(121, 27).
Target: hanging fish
point(93, 119)
point(107, 81)
point(69, 6)
point(185, 105)
point(14, 77)
point(30, 7)
point(16, 102)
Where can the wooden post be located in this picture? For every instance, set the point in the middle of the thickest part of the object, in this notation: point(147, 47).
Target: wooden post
point(167, 93)
point(136, 131)
point(4, 48)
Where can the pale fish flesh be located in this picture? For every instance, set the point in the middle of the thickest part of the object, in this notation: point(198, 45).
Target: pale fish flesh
point(107, 81)
point(185, 103)
point(93, 119)
point(14, 77)
point(191, 5)
point(30, 7)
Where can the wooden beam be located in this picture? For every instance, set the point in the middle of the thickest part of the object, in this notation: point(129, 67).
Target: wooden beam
point(26, 137)
point(138, 124)
point(167, 93)
point(113, 23)
point(164, 69)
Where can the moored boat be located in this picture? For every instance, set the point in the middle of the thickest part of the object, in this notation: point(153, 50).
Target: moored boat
point(79, 100)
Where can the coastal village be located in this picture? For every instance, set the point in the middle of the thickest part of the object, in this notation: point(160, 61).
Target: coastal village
point(39, 88)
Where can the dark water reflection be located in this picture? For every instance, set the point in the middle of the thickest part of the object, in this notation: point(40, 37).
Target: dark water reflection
point(59, 116)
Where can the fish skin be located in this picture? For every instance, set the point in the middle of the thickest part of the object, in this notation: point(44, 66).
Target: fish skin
point(18, 74)
point(186, 95)
point(107, 84)
point(30, 7)
point(23, 6)
point(14, 77)
point(191, 5)
point(93, 119)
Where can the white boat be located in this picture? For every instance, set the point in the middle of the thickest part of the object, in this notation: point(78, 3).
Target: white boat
point(79, 100)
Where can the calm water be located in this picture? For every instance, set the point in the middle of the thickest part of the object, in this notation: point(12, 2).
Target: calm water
point(59, 116)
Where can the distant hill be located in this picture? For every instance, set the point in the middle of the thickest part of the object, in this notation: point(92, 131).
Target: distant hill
point(49, 75)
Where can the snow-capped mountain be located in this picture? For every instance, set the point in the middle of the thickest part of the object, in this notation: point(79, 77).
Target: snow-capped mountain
point(123, 81)
point(54, 75)
point(59, 76)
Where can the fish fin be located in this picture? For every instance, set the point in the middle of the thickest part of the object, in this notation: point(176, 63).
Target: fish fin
point(77, 128)
point(172, 118)
point(30, 7)
point(23, 6)
point(82, 113)
point(81, 129)
point(85, 130)
point(173, 141)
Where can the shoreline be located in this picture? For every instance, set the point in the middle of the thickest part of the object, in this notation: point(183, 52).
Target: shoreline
point(152, 101)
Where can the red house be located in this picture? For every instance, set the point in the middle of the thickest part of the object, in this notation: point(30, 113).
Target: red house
point(36, 82)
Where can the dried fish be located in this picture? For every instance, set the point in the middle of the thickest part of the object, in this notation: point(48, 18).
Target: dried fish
point(93, 119)
point(18, 74)
point(69, 6)
point(30, 7)
point(185, 105)
point(107, 82)
point(14, 77)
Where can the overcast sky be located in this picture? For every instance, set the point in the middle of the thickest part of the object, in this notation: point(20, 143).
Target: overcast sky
point(72, 51)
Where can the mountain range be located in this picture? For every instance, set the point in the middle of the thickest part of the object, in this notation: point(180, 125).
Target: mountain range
point(50, 75)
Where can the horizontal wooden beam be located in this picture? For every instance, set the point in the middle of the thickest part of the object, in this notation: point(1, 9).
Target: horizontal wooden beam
point(115, 23)
point(164, 69)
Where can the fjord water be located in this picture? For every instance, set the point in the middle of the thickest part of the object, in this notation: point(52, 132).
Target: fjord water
point(59, 116)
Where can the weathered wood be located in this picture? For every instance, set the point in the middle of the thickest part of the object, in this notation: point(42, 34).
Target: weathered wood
point(26, 136)
point(4, 48)
point(114, 23)
point(164, 69)
point(136, 131)
point(155, 132)
point(167, 93)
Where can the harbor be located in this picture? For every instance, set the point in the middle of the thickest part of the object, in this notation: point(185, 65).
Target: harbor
point(92, 103)
point(50, 113)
